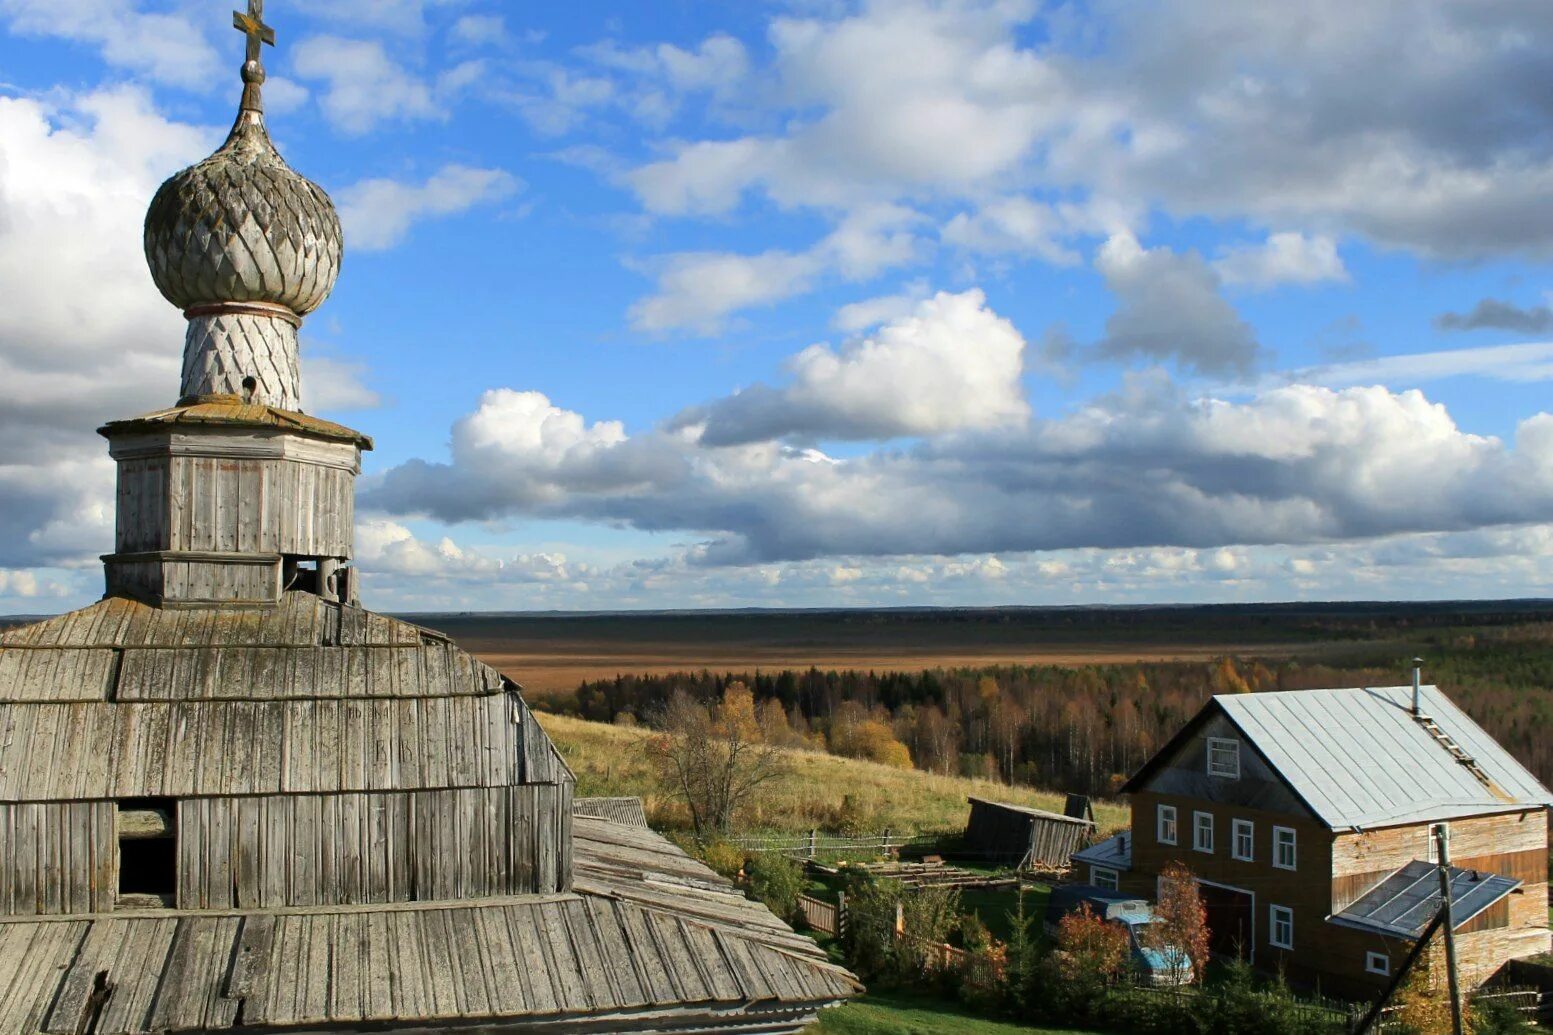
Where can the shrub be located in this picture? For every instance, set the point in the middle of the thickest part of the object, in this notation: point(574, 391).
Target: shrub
point(723, 857)
point(1498, 1017)
point(870, 932)
point(777, 881)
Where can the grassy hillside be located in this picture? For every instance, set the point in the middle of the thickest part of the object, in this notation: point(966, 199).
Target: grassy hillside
point(822, 790)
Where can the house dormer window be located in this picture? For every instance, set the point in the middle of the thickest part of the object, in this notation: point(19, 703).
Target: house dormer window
point(1224, 758)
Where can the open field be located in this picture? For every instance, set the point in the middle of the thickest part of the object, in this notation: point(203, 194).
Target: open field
point(608, 760)
point(549, 653)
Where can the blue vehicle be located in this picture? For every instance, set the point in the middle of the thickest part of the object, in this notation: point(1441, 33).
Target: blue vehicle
point(1167, 966)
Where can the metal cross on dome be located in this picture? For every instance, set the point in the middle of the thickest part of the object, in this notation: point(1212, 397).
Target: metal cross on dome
point(252, 25)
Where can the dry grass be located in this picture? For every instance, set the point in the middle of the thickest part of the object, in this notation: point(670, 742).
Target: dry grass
point(821, 790)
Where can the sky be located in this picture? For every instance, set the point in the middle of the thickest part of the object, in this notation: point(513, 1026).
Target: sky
point(972, 302)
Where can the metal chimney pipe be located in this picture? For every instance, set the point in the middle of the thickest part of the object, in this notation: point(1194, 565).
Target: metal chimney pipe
point(1418, 678)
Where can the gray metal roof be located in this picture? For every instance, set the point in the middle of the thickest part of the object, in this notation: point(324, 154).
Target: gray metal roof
point(1359, 758)
point(1405, 902)
point(1114, 852)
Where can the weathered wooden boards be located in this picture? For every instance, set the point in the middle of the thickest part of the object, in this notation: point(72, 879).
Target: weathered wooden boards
point(598, 959)
point(256, 492)
point(627, 811)
point(1013, 835)
point(57, 858)
point(312, 850)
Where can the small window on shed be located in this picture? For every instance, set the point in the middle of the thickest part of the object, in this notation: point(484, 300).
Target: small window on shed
point(1104, 877)
point(148, 853)
point(1224, 757)
point(1377, 963)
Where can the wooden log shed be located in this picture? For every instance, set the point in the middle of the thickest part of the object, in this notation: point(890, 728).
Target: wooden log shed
point(1002, 834)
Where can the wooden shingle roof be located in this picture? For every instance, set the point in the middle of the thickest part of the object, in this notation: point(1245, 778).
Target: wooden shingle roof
point(649, 934)
point(122, 700)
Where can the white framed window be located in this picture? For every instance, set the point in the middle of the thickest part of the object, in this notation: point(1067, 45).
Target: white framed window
point(1224, 757)
point(1377, 963)
point(1280, 927)
point(1284, 854)
point(1202, 832)
point(1242, 843)
point(1165, 825)
point(1434, 845)
point(1104, 877)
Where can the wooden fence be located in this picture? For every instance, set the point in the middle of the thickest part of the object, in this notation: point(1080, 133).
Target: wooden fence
point(824, 917)
point(814, 844)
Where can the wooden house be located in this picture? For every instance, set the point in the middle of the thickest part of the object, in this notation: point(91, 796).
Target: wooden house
point(1306, 817)
point(1017, 836)
point(232, 798)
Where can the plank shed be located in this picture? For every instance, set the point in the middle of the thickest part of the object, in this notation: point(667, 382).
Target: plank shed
point(1021, 837)
point(231, 798)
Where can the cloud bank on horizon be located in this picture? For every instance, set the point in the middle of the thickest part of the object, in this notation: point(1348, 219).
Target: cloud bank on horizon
point(903, 301)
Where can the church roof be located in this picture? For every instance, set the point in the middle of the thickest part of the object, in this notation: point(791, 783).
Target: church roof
point(647, 934)
point(122, 699)
point(232, 411)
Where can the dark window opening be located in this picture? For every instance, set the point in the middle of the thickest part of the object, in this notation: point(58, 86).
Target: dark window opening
point(148, 852)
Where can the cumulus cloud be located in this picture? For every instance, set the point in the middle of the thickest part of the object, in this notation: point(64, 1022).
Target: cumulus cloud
point(378, 213)
point(909, 95)
point(1169, 307)
point(1284, 258)
point(1492, 313)
point(951, 364)
point(1294, 465)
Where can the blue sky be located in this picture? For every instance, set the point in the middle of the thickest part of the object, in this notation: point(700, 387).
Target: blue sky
point(818, 303)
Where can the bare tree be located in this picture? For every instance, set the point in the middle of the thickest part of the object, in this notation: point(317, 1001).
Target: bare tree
point(713, 755)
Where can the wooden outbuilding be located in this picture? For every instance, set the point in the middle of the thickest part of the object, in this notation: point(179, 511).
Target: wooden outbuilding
point(232, 799)
point(1021, 837)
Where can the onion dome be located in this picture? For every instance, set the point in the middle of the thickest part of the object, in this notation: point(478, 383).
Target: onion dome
point(242, 225)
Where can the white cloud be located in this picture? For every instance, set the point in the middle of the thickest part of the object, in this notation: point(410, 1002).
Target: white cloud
point(335, 384)
point(1169, 307)
point(364, 86)
point(167, 48)
point(909, 96)
point(950, 365)
point(378, 213)
point(1015, 225)
point(1531, 361)
point(479, 29)
point(699, 290)
point(1284, 258)
point(1149, 468)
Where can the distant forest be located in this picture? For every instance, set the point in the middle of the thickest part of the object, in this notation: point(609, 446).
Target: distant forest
point(1087, 728)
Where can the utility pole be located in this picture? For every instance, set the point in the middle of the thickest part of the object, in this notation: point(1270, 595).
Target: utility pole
point(1442, 841)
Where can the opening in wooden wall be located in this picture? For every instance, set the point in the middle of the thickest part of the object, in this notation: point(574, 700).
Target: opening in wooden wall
point(148, 852)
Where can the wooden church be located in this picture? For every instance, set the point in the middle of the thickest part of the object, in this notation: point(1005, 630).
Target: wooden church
point(231, 798)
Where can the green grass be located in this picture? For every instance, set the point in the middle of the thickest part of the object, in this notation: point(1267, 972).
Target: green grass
point(901, 1013)
point(995, 906)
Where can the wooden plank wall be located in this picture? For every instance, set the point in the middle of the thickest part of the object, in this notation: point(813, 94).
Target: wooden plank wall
point(306, 850)
point(57, 857)
point(247, 504)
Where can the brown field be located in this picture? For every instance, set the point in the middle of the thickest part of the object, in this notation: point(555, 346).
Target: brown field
point(555, 653)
